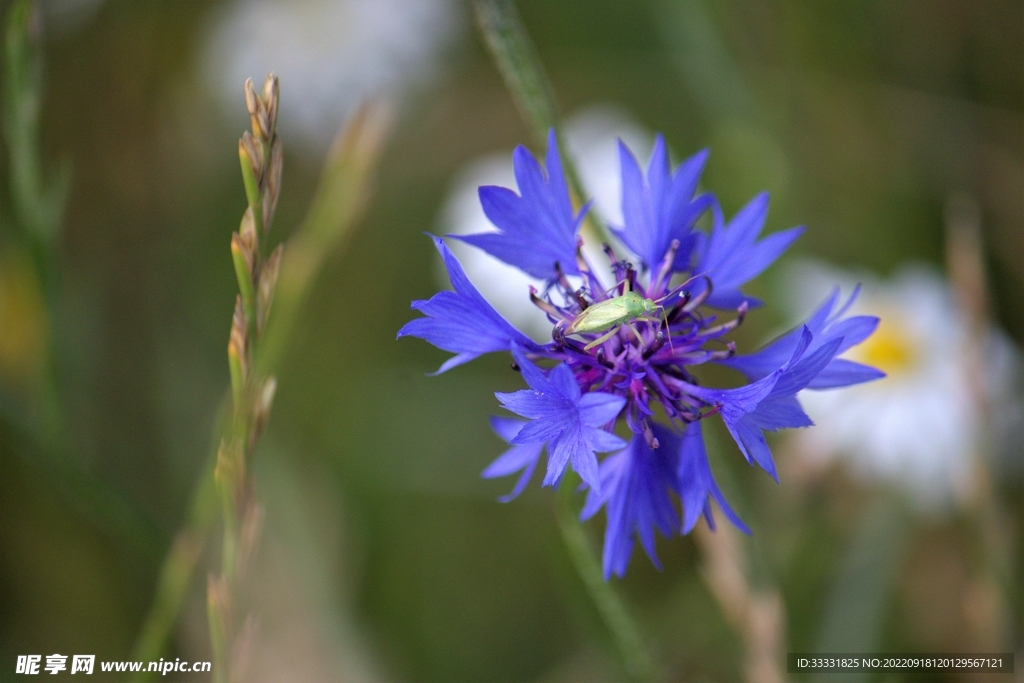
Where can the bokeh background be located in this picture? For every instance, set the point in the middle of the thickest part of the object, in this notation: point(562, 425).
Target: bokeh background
point(386, 556)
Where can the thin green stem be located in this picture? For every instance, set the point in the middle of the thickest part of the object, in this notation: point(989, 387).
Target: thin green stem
point(179, 564)
point(519, 65)
point(217, 614)
point(37, 197)
point(229, 549)
point(636, 658)
point(342, 191)
point(526, 79)
point(528, 82)
point(175, 577)
point(37, 194)
point(740, 579)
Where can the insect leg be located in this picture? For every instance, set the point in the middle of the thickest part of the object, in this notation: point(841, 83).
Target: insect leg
point(602, 339)
point(636, 333)
point(661, 321)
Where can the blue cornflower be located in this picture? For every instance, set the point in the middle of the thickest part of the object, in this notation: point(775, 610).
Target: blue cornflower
point(637, 483)
point(604, 376)
point(770, 402)
point(731, 256)
point(538, 226)
point(825, 326)
point(571, 423)
point(661, 207)
point(520, 458)
point(462, 321)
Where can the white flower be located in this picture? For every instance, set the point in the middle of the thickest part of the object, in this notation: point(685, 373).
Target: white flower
point(919, 427)
point(329, 54)
point(590, 137)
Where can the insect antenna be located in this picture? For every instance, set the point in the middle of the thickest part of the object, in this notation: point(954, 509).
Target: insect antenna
point(668, 330)
point(684, 298)
point(695, 302)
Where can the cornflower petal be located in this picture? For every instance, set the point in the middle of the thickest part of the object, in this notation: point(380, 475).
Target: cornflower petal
point(542, 429)
point(780, 413)
point(826, 324)
point(660, 208)
point(538, 226)
point(568, 421)
point(603, 442)
point(564, 383)
point(598, 409)
point(572, 447)
point(843, 373)
point(731, 255)
point(769, 404)
point(518, 458)
point(698, 484)
point(636, 488)
point(461, 321)
point(530, 404)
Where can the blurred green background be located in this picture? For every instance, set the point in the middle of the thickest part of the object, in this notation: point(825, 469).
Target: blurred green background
point(386, 557)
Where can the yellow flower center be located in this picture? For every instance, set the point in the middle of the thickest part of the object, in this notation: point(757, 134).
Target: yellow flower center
point(890, 349)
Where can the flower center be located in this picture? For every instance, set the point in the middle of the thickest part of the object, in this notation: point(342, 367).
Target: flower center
point(890, 349)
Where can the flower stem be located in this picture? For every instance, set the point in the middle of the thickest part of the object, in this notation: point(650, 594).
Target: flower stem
point(38, 200)
point(736, 574)
point(38, 195)
point(528, 82)
point(171, 585)
point(341, 193)
point(756, 613)
point(176, 574)
point(636, 658)
point(30, 268)
point(965, 262)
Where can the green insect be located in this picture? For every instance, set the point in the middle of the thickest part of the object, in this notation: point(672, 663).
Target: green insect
point(610, 314)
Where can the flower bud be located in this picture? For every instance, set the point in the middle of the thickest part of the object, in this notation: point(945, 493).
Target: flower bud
point(257, 112)
point(253, 152)
point(271, 95)
point(243, 255)
point(247, 230)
